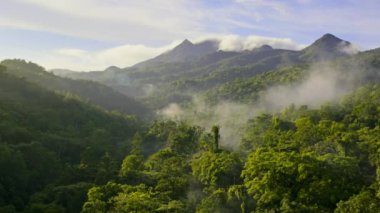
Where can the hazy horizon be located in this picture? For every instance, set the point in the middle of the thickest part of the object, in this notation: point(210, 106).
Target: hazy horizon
point(93, 34)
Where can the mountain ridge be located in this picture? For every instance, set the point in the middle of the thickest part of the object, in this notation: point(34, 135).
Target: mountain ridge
point(189, 67)
point(185, 51)
point(91, 91)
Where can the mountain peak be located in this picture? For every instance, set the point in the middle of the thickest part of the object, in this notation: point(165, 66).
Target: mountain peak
point(186, 42)
point(265, 47)
point(329, 40)
point(329, 36)
point(185, 45)
point(185, 51)
point(112, 68)
point(327, 47)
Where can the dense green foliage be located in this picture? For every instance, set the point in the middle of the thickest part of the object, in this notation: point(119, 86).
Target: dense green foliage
point(309, 160)
point(248, 90)
point(299, 160)
point(61, 154)
point(56, 144)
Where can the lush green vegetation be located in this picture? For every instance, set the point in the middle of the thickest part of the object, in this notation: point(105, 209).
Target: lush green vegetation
point(315, 160)
point(299, 160)
point(92, 92)
point(248, 90)
point(54, 148)
point(61, 154)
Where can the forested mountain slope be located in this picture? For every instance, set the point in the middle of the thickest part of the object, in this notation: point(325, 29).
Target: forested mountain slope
point(55, 143)
point(61, 154)
point(354, 70)
point(93, 92)
point(191, 69)
point(297, 160)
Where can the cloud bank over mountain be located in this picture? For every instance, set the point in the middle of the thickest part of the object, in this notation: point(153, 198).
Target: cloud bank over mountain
point(128, 55)
point(237, 43)
point(132, 31)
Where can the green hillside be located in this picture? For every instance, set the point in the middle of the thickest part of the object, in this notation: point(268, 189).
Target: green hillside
point(93, 92)
point(55, 142)
point(262, 130)
point(355, 70)
point(59, 154)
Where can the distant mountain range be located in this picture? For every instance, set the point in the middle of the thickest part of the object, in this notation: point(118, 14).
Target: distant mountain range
point(193, 68)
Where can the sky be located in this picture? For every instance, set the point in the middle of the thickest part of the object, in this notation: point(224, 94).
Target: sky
point(86, 35)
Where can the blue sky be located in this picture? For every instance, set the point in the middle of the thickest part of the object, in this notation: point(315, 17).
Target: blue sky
point(94, 34)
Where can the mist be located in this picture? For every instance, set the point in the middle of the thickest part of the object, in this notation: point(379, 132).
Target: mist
point(229, 116)
point(322, 83)
point(350, 49)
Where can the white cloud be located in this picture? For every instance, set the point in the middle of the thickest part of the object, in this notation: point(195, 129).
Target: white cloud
point(130, 54)
point(113, 20)
point(278, 6)
point(240, 43)
point(134, 21)
point(143, 24)
point(231, 43)
point(127, 55)
point(161, 21)
point(82, 60)
point(71, 52)
point(350, 49)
